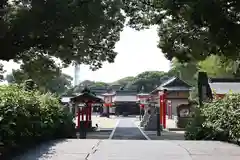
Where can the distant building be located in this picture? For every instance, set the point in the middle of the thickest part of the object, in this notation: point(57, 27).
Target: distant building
point(99, 91)
point(125, 101)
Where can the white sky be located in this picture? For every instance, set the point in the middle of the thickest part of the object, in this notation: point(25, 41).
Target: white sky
point(137, 52)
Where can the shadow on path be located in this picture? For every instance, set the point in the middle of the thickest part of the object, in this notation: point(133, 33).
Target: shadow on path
point(128, 133)
point(41, 151)
point(127, 130)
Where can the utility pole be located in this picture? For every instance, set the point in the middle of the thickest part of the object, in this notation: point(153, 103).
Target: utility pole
point(76, 74)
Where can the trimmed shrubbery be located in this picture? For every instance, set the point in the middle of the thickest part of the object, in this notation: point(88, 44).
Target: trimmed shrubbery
point(28, 118)
point(217, 120)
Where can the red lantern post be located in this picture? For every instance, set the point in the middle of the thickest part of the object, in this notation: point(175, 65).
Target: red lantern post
point(78, 118)
point(161, 109)
point(82, 114)
point(86, 113)
point(108, 98)
point(90, 111)
point(164, 109)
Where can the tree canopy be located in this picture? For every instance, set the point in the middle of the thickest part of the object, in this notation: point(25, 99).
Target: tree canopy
point(218, 66)
point(81, 31)
point(185, 71)
point(124, 81)
point(86, 31)
point(59, 83)
point(149, 80)
point(190, 30)
point(144, 82)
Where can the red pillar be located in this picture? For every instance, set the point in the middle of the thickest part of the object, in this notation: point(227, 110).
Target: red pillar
point(164, 110)
point(87, 112)
point(160, 109)
point(78, 117)
point(90, 111)
point(82, 114)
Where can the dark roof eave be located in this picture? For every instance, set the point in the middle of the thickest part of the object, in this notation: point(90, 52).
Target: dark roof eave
point(165, 84)
point(224, 80)
point(169, 89)
point(154, 91)
point(93, 97)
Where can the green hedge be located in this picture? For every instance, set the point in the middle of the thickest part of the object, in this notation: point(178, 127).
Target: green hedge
point(218, 120)
point(28, 118)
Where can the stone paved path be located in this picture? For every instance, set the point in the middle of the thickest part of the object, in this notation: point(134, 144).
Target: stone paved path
point(77, 149)
point(126, 129)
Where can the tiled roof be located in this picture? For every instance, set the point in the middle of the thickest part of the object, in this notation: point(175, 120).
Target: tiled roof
point(67, 99)
point(109, 94)
point(222, 80)
point(143, 94)
point(225, 87)
point(173, 84)
point(126, 92)
point(125, 98)
point(174, 88)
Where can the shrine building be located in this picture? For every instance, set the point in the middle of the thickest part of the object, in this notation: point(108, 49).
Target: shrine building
point(177, 93)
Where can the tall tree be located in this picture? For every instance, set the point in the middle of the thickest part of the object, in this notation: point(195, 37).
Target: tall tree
point(59, 84)
point(17, 76)
point(41, 68)
point(56, 84)
point(185, 71)
point(124, 81)
point(217, 66)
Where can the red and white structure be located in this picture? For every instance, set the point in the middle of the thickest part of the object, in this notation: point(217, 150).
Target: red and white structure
point(163, 108)
point(108, 102)
point(143, 98)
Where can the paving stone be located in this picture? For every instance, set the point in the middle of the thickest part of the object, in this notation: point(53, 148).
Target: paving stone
point(71, 149)
point(133, 150)
point(126, 129)
point(79, 149)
